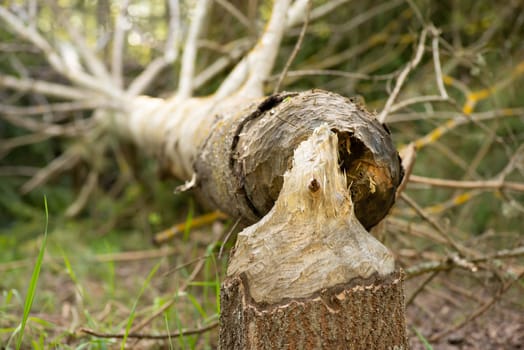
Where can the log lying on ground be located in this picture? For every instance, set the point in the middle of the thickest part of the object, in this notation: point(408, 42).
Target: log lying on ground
point(239, 149)
point(240, 164)
point(308, 275)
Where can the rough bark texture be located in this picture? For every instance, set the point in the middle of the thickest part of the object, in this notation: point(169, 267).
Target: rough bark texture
point(240, 166)
point(364, 314)
point(308, 275)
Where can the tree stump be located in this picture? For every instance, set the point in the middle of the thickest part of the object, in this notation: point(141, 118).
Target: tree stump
point(308, 275)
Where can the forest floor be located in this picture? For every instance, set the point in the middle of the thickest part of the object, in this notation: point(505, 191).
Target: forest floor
point(500, 327)
point(95, 281)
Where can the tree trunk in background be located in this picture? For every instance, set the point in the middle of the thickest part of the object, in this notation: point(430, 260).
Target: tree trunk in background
point(308, 275)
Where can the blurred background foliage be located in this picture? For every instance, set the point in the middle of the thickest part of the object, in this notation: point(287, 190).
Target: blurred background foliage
point(359, 49)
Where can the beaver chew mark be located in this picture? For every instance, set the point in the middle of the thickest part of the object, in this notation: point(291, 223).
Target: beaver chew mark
point(357, 162)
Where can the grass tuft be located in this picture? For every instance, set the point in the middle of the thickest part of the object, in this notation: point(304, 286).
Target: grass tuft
point(424, 341)
point(31, 290)
point(133, 309)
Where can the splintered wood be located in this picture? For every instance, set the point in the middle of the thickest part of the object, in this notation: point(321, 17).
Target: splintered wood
point(308, 275)
point(311, 239)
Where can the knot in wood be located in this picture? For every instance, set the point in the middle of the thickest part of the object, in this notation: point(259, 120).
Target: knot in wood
point(313, 186)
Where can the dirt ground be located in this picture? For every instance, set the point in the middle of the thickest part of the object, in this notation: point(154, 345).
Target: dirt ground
point(500, 328)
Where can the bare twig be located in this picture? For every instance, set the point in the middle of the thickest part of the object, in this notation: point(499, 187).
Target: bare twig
point(230, 232)
point(234, 54)
point(436, 61)
point(55, 107)
point(140, 83)
point(336, 73)
point(170, 233)
point(83, 196)
point(432, 222)
point(168, 304)
point(119, 36)
point(481, 310)
point(9, 144)
point(187, 70)
point(487, 184)
point(76, 76)
point(421, 287)
point(133, 335)
point(403, 75)
point(235, 12)
point(17, 170)
point(295, 49)
point(43, 87)
point(73, 129)
point(261, 59)
point(416, 100)
point(135, 255)
point(447, 264)
point(64, 162)
point(93, 63)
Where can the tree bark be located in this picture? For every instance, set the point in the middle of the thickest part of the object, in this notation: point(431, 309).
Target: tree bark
point(238, 149)
point(308, 275)
point(362, 314)
point(239, 166)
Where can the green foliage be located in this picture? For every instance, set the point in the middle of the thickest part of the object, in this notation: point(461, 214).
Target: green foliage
point(31, 290)
point(481, 47)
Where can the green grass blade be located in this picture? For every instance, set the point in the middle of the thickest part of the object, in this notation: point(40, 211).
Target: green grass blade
point(133, 309)
point(424, 341)
point(31, 290)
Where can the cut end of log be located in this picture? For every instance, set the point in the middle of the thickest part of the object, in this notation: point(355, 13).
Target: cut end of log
point(311, 238)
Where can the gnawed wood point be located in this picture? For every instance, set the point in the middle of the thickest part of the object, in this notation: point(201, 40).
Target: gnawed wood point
point(308, 275)
point(311, 238)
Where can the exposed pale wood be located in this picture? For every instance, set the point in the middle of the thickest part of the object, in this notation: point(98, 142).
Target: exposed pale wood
point(308, 275)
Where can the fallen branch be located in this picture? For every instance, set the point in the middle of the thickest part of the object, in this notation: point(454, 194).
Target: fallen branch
point(181, 333)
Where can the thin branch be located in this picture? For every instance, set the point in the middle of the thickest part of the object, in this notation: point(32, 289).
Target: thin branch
point(487, 184)
point(63, 162)
point(361, 18)
point(187, 70)
point(228, 235)
point(135, 255)
point(9, 144)
point(436, 61)
point(261, 59)
point(403, 75)
point(416, 100)
point(174, 32)
point(93, 63)
point(73, 129)
point(181, 333)
point(18, 170)
point(481, 310)
point(196, 270)
point(297, 11)
point(235, 12)
point(336, 73)
point(121, 27)
point(140, 83)
point(421, 287)
point(76, 76)
point(43, 87)
point(432, 222)
point(55, 107)
point(81, 201)
point(234, 54)
point(295, 49)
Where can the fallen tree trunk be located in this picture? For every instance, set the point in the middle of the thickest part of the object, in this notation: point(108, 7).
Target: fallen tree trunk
point(308, 275)
point(237, 150)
